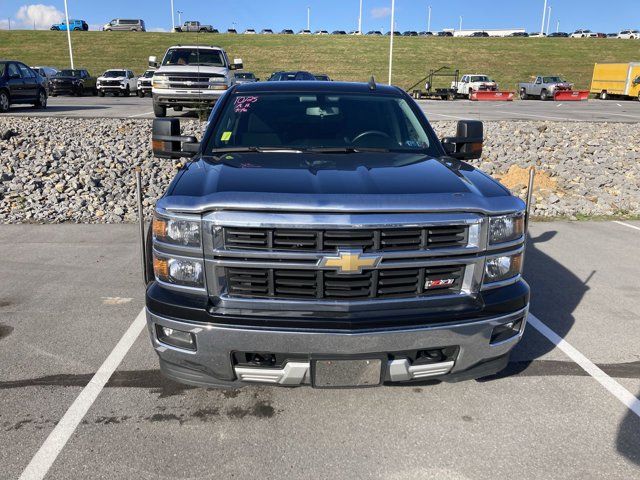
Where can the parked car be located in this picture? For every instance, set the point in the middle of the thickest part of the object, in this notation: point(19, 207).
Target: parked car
point(322, 32)
point(266, 31)
point(116, 82)
point(74, 25)
point(518, 34)
point(616, 80)
point(20, 84)
point(537, 35)
point(323, 77)
point(288, 250)
point(246, 77)
point(286, 31)
point(72, 82)
point(249, 31)
point(425, 34)
point(479, 34)
point(410, 33)
point(375, 33)
point(144, 83)
point(338, 32)
point(195, 26)
point(287, 76)
point(473, 83)
point(124, 24)
point(191, 76)
point(612, 35)
point(395, 33)
point(543, 87)
point(304, 32)
point(629, 34)
point(232, 31)
point(445, 34)
point(558, 35)
point(47, 73)
point(581, 33)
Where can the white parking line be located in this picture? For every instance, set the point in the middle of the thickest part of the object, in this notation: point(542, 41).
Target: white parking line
point(57, 439)
point(617, 390)
point(635, 227)
point(140, 115)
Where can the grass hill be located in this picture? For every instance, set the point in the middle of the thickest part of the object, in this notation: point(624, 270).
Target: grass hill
point(507, 60)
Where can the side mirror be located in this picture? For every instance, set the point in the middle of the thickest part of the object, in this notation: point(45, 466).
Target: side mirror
point(257, 79)
point(237, 64)
point(467, 144)
point(167, 142)
point(153, 61)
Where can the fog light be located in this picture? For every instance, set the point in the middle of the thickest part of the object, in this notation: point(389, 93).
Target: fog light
point(176, 338)
point(506, 331)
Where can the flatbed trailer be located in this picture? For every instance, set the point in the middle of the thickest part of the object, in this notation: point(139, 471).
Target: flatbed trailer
point(435, 93)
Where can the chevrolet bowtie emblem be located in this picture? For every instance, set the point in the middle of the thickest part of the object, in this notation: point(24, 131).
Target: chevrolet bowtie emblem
point(350, 261)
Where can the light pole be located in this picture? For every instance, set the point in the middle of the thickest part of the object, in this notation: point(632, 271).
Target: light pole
point(179, 12)
point(393, 15)
point(429, 19)
point(309, 18)
point(548, 18)
point(557, 26)
point(360, 20)
point(66, 15)
point(544, 12)
point(460, 28)
point(173, 18)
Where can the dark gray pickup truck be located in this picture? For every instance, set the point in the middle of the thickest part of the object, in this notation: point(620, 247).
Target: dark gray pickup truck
point(322, 235)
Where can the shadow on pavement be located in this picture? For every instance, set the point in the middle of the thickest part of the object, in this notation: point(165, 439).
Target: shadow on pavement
point(555, 294)
point(628, 441)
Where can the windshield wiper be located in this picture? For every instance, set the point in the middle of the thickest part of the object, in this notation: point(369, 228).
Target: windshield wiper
point(345, 150)
point(254, 150)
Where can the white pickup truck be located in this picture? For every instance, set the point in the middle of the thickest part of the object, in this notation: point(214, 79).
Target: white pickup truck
point(473, 83)
point(191, 77)
point(117, 81)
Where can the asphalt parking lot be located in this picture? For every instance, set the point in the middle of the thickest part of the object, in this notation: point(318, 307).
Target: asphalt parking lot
point(589, 111)
point(68, 294)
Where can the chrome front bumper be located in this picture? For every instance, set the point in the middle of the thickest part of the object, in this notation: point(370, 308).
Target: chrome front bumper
point(211, 365)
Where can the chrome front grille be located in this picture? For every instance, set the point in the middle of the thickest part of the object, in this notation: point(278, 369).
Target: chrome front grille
point(197, 81)
point(287, 260)
point(322, 284)
point(368, 240)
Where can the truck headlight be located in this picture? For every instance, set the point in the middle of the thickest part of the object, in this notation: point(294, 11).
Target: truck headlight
point(501, 268)
point(218, 83)
point(176, 231)
point(506, 228)
point(160, 82)
point(180, 271)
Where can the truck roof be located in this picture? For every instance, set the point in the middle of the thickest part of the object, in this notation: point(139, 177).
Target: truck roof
point(208, 47)
point(317, 87)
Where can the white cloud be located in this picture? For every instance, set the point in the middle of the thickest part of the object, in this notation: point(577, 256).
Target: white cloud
point(380, 12)
point(4, 24)
point(42, 16)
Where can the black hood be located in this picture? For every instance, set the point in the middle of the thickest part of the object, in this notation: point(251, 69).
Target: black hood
point(332, 174)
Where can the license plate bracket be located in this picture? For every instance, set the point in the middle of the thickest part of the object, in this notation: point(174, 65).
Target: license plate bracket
point(346, 372)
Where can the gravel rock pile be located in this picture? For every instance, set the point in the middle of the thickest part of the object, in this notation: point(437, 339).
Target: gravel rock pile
point(56, 170)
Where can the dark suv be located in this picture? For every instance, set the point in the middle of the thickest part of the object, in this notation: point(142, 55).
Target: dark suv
point(73, 82)
point(20, 84)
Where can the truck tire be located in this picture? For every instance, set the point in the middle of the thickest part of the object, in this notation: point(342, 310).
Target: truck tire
point(203, 30)
point(5, 101)
point(140, 94)
point(604, 95)
point(470, 93)
point(523, 94)
point(100, 93)
point(127, 92)
point(80, 91)
point(544, 95)
point(159, 111)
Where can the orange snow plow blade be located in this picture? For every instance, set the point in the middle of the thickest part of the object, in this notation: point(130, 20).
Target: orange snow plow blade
point(488, 96)
point(571, 95)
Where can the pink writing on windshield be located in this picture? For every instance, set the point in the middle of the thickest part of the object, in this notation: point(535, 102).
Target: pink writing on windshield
point(242, 104)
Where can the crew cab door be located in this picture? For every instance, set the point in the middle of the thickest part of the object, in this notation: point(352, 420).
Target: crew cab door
point(537, 86)
point(15, 83)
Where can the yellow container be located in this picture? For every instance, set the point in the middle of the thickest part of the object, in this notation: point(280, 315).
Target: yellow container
point(616, 79)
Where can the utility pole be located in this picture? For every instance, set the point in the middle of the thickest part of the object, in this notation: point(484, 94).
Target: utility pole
point(66, 15)
point(180, 12)
point(429, 19)
point(360, 20)
point(557, 26)
point(309, 18)
point(393, 16)
point(173, 18)
point(544, 12)
point(548, 18)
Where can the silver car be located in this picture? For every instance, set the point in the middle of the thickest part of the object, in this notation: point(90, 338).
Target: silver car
point(132, 25)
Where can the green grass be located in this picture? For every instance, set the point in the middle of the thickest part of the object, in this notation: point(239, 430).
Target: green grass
point(507, 60)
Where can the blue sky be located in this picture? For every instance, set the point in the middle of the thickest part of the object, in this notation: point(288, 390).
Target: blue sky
point(333, 14)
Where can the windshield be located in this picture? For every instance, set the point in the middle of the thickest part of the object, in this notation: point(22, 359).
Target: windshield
point(148, 74)
point(244, 75)
point(114, 73)
point(193, 56)
point(334, 121)
point(480, 78)
point(552, 80)
point(68, 73)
